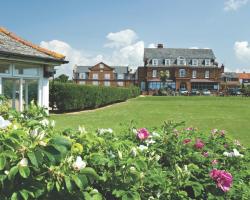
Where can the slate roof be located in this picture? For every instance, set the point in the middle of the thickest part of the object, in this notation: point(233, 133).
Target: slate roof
point(14, 45)
point(174, 53)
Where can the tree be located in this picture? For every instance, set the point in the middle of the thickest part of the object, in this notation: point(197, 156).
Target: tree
point(164, 75)
point(63, 78)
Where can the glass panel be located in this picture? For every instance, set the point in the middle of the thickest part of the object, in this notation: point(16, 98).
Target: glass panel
point(26, 70)
point(30, 92)
point(4, 68)
point(11, 90)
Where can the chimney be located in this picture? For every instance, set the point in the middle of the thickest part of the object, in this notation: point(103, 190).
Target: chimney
point(159, 46)
point(222, 68)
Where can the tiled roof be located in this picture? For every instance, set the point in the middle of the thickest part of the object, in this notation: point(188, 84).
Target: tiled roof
point(13, 44)
point(118, 69)
point(174, 53)
point(244, 75)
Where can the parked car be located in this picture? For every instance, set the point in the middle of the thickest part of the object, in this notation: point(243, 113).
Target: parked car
point(206, 92)
point(234, 92)
point(183, 91)
point(195, 92)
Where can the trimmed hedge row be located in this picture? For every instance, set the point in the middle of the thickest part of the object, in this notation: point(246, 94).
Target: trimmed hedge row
point(70, 96)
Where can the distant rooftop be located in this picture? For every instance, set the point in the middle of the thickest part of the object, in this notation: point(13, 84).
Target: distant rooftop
point(118, 69)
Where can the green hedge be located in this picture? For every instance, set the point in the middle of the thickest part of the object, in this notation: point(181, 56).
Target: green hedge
point(70, 96)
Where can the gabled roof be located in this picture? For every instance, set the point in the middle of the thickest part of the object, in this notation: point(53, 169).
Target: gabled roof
point(14, 45)
point(174, 53)
point(244, 75)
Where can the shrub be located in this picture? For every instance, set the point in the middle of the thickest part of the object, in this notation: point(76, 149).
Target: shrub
point(69, 96)
point(170, 162)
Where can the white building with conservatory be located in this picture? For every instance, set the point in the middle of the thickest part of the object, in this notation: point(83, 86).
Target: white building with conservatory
point(25, 70)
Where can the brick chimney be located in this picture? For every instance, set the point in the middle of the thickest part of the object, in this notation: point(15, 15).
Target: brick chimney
point(159, 46)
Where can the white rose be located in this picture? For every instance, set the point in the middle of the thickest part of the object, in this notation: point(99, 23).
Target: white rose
point(23, 162)
point(237, 153)
point(44, 122)
point(4, 123)
point(82, 129)
point(79, 164)
point(142, 148)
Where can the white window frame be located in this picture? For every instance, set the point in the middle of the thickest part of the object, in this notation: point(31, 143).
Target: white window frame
point(120, 76)
point(207, 62)
point(167, 62)
point(10, 69)
point(82, 75)
point(181, 59)
point(195, 62)
point(95, 76)
point(26, 75)
point(101, 65)
point(155, 62)
point(194, 74)
point(154, 73)
point(107, 76)
point(107, 83)
point(207, 74)
point(182, 73)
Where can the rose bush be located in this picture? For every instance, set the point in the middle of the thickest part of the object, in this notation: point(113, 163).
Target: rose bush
point(171, 162)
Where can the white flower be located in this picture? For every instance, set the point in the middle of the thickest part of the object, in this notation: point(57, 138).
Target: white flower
point(41, 135)
point(4, 123)
point(134, 151)
point(79, 164)
point(157, 157)
point(132, 169)
point(34, 133)
point(23, 162)
point(142, 148)
point(154, 134)
point(6, 172)
point(134, 131)
point(82, 129)
point(15, 127)
point(44, 122)
point(101, 131)
point(149, 141)
point(237, 153)
point(52, 123)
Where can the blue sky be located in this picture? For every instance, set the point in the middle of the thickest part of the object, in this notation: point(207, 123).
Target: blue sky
point(117, 30)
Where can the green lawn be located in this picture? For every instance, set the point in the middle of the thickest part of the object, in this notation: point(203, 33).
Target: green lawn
point(206, 113)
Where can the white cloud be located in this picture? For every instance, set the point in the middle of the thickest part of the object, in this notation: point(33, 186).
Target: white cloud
point(233, 5)
point(242, 51)
point(152, 45)
point(121, 38)
point(126, 51)
point(193, 47)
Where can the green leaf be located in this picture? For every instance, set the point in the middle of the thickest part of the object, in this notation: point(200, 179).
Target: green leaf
point(24, 194)
point(14, 196)
point(24, 171)
point(2, 162)
point(13, 171)
point(32, 157)
point(50, 186)
point(77, 181)
point(68, 183)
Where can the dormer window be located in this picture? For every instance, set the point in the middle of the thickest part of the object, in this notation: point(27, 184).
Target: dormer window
point(101, 66)
point(181, 61)
point(207, 62)
point(195, 62)
point(155, 62)
point(167, 62)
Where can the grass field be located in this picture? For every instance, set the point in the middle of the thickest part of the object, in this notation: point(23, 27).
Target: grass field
point(205, 113)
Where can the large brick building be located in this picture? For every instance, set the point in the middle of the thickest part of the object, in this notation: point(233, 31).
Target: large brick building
point(185, 68)
point(102, 74)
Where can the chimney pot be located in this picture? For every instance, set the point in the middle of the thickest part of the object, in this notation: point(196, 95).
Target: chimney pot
point(160, 46)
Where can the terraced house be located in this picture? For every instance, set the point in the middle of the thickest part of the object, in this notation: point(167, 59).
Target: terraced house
point(104, 75)
point(185, 69)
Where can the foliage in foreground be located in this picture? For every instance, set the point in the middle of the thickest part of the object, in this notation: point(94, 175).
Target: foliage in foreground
point(69, 96)
point(37, 162)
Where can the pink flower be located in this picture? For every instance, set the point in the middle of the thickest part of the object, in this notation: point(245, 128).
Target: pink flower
point(214, 162)
point(222, 133)
point(189, 129)
point(223, 179)
point(142, 134)
point(186, 141)
point(199, 144)
point(205, 154)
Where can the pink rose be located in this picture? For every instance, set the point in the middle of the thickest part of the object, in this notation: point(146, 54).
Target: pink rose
point(199, 144)
point(186, 141)
point(205, 154)
point(214, 162)
point(142, 134)
point(223, 179)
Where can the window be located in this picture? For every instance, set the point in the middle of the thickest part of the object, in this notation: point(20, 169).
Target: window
point(101, 66)
point(82, 82)
point(120, 76)
point(82, 75)
point(4, 68)
point(182, 72)
point(155, 62)
point(194, 73)
point(95, 76)
point(120, 83)
point(207, 62)
point(106, 76)
point(21, 69)
point(207, 74)
point(195, 62)
point(106, 83)
point(154, 74)
point(167, 62)
point(95, 83)
point(181, 61)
